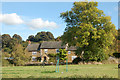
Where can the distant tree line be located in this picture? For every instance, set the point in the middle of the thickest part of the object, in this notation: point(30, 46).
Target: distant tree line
point(41, 36)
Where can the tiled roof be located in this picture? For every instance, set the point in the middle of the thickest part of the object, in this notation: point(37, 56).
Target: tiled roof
point(52, 45)
point(33, 47)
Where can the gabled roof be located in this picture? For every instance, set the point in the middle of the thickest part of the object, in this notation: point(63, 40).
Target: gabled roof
point(49, 45)
point(71, 48)
point(52, 45)
point(33, 47)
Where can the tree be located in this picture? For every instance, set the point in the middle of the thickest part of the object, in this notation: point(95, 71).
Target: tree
point(5, 62)
point(62, 54)
point(20, 58)
point(50, 35)
point(17, 37)
point(89, 30)
point(118, 34)
point(5, 39)
point(58, 38)
point(41, 36)
point(12, 42)
point(24, 44)
point(31, 38)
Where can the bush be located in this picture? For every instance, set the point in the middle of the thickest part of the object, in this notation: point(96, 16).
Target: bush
point(97, 54)
point(52, 55)
point(52, 58)
point(116, 55)
point(76, 60)
point(7, 50)
point(5, 63)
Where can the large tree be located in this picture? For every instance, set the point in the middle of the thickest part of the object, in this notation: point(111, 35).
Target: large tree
point(19, 55)
point(17, 37)
point(31, 38)
point(41, 36)
point(5, 39)
point(89, 29)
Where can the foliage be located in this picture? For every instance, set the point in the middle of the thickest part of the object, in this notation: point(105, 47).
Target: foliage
point(31, 38)
point(8, 43)
point(24, 44)
point(116, 54)
point(62, 54)
point(5, 39)
point(5, 62)
point(118, 34)
point(20, 58)
point(96, 54)
point(17, 37)
point(52, 57)
point(41, 36)
point(7, 50)
point(76, 60)
point(89, 29)
point(58, 38)
point(39, 59)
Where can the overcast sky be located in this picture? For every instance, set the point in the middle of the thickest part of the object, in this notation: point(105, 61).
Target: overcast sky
point(28, 18)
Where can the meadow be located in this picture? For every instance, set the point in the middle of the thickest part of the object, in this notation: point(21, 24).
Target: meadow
point(74, 71)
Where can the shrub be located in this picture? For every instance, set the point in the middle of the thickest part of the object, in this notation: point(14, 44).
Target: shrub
point(62, 54)
point(117, 55)
point(97, 54)
point(5, 63)
point(76, 60)
point(52, 55)
point(7, 50)
point(52, 58)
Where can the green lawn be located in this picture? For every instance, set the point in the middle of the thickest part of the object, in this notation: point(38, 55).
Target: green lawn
point(74, 71)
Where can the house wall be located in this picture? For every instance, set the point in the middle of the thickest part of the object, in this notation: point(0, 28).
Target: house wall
point(53, 51)
point(31, 55)
point(70, 56)
point(50, 51)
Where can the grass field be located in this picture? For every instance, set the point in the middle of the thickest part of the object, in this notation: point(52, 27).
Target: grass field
point(74, 71)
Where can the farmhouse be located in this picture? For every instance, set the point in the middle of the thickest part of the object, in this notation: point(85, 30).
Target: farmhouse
point(49, 47)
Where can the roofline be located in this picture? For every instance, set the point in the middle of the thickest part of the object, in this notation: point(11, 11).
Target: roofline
point(52, 48)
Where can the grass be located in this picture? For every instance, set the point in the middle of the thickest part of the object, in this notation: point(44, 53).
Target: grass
point(74, 71)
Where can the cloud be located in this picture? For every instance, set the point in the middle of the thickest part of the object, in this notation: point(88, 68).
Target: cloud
point(40, 24)
point(11, 19)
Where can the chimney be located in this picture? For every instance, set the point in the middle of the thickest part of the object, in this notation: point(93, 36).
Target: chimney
point(29, 42)
point(66, 46)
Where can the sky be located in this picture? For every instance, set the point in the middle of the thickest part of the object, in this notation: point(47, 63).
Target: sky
point(29, 18)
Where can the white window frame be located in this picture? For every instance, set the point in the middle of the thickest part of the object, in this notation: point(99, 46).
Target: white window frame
point(45, 50)
point(33, 58)
point(69, 52)
point(34, 53)
point(57, 50)
point(73, 57)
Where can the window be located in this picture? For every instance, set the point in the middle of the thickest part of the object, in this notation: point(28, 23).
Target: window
point(34, 53)
point(34, 59)
point(57, 50)
point(69, 52)
point(45, 50)
point(73, 57)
